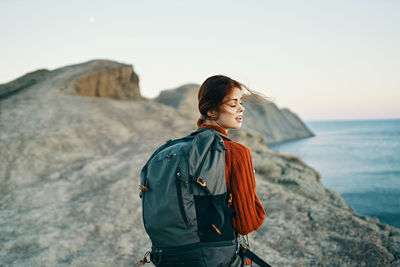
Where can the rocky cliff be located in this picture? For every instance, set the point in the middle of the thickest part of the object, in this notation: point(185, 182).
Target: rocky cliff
point(265, 119)
point(69, 176)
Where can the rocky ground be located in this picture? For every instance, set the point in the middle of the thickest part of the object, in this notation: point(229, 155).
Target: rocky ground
point(69, 176)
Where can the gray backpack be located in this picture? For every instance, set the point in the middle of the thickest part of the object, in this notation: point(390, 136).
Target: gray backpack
point(184, 194)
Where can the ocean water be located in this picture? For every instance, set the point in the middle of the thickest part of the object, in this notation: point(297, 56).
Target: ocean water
point(359, 159)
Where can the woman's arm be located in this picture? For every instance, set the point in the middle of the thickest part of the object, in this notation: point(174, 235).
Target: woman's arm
point(250, 212)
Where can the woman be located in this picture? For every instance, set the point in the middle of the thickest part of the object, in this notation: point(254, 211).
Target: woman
point(220, 106)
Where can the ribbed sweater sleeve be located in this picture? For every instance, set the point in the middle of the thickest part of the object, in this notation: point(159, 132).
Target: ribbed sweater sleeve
point(242, 184)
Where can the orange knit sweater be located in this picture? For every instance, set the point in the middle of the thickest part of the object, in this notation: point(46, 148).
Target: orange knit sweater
point(240, 181)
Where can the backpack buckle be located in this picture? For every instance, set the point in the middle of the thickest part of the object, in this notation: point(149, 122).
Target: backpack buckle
point(146, 258)
point(143, 188)
point(201, 182)
point(230, 199)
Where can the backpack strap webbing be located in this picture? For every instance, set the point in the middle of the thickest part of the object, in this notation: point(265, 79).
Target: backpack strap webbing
point(220, 206)
point(218, 201)
point(245, 252)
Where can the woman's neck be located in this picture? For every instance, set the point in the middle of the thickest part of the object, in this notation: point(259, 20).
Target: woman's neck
point(215, 127)
point(214, 123)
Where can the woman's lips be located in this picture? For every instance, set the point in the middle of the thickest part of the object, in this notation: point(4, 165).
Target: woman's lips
point(239, 119)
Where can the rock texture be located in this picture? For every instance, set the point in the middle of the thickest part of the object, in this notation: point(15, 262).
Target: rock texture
point(266, 119)
point(23, 82)
point(103, 78)
point(69, 176)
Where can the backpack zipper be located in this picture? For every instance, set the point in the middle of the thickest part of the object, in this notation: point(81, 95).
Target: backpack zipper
point(179, 193)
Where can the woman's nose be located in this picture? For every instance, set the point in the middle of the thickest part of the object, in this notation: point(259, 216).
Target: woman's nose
point(241, 108)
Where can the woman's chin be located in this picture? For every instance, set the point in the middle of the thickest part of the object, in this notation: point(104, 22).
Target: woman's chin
point(237, 126)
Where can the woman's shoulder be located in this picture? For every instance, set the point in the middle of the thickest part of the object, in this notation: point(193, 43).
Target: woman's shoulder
point(236, 147)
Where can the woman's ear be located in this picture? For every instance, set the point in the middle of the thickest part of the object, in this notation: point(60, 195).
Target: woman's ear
point(212, 113)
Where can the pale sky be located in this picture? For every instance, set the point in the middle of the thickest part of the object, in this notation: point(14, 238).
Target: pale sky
point(324, 60)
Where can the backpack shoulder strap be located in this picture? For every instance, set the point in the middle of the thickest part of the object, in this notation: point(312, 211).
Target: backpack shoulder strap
point(244, 251)
point(205, 129)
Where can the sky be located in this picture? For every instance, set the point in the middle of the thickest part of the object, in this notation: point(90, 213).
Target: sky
point(324, 60)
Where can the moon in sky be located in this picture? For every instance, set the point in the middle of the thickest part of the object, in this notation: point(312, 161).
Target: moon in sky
point(91, 19)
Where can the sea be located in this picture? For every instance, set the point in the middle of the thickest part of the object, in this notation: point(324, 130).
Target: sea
point(360, 159)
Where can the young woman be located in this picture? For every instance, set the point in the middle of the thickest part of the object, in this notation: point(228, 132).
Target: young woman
point(220, 106)
point(238, 211)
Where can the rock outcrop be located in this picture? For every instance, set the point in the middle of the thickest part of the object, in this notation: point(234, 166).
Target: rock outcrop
point(265, 119)
point(107, 79)
point(183, 98)
point(69, 177)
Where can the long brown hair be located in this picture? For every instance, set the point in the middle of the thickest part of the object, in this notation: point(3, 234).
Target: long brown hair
point(214, 89)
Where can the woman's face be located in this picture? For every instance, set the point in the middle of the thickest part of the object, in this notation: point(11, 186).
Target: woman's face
point(230, 113)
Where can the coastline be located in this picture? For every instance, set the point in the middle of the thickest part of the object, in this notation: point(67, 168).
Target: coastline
point(377, 181)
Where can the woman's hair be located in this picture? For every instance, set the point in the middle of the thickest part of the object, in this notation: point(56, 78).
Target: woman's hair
point(214, 89)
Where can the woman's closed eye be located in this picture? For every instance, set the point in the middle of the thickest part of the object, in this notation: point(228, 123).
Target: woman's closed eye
point(236, 105)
